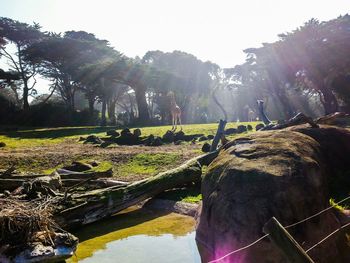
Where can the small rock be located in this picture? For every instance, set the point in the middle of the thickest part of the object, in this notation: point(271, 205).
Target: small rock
point(180, 136)
point(206, 147)
point(2, 144)
point(94, 163)
point(112, 133)
point(241, 128)
point(81, 139)
point(210, 137)
point(230, 131)
point(249, 127)
point(157, 142)
point(78, 167)
point(137, 132)
point(168, 137)
point(148, 141)
point(125, 132)
point(93, 139)
point(105, 144)
point(259, 126)
point(178, 142)
point(202, 138)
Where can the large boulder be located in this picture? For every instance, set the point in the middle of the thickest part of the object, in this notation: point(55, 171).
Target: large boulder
point(283, 174)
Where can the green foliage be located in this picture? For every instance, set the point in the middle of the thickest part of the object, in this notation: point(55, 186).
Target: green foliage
point(21, 35)
point(145, 163)
point(310, 57)
point(340, 207)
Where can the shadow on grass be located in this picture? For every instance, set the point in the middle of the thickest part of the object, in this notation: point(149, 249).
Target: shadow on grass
point(54, 133)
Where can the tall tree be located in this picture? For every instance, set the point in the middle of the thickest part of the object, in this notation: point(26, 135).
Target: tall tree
point(195, 75)
point(71, 62)
point(21, 35)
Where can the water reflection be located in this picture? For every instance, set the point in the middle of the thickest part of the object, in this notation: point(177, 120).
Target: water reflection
point(139, 235)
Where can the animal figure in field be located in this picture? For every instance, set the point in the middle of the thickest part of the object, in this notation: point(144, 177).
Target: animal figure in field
point(251, 115)
point(175, 111)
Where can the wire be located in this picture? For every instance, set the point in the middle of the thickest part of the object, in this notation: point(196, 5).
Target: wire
point(289, 226)
point(325, 238)
point(238, 250)
point(317, 214)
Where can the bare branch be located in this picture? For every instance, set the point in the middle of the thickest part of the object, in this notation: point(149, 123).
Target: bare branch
point(8, 56)
point(33, 76)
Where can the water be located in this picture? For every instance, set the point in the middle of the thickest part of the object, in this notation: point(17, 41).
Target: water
point(136, 236)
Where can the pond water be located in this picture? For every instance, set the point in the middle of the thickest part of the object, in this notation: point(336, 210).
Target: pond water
point(138, 235)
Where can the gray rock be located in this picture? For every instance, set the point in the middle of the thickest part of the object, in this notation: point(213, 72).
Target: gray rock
point(206, 147)
point(259, 126)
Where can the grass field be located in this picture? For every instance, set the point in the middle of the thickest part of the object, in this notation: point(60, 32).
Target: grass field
point(44, 136)
point(45, 149)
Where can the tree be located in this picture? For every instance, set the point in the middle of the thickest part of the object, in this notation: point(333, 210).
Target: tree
point(194, 77)
point(71, 63)
point(307, 62)
point(21, 35)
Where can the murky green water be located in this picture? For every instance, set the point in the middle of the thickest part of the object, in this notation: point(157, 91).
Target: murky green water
point(136, 236)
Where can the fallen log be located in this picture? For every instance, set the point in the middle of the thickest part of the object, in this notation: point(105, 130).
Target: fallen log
point(69, 178)
point(67, 174)
point(82, 209)
point(101, 182)
point(11, 183)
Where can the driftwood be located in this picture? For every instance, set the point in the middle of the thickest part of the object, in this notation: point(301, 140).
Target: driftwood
point(220, 131)
point(71, 210)
point(337, 118)
point(261, 111)
point(67, 174)
point(300, 118)
point(11, 183)
point(82, 209)
point(101, 182)
point(69, 178)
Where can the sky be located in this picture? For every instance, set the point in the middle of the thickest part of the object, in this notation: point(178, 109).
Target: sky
point(217, 30)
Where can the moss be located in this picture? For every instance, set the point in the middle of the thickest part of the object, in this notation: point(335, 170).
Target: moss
point(147, 163)
point(189, 194)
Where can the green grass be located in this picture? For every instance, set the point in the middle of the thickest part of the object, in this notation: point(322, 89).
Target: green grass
point(43, 136)
point(102, 166)
point(147, 163)
point(189, 194)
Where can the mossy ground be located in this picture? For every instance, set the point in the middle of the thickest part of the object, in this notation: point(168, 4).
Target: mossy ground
point(190, 194)
point(43, 136)
point(45, 149)
point(147, 163)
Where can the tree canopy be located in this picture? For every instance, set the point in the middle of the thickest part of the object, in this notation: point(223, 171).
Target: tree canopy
point(305, 70)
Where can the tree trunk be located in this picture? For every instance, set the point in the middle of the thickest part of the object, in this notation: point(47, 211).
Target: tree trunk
point(82, 209)
point(111, 111)
point(142, 107)
point(288, 110)
point(25, 95)
point(103, 112)
point(91, 101)
point(329, 101)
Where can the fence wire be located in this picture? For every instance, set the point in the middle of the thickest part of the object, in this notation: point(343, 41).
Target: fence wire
point(290, 226)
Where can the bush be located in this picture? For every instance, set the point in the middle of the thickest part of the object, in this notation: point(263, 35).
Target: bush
point(49, 115)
